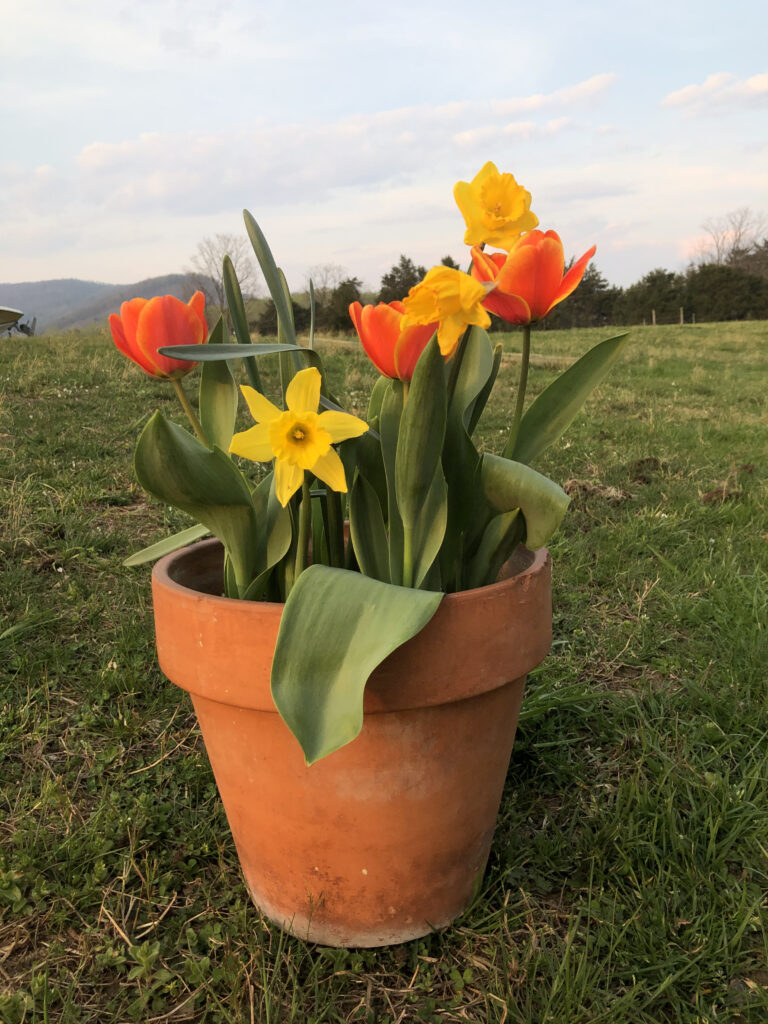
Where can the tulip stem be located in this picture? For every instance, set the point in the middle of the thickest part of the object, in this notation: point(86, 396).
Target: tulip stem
point(191, 415)
point(305, 518)
point(522, 383)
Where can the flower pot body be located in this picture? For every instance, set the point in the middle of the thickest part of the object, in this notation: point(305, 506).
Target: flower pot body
point(386, 839)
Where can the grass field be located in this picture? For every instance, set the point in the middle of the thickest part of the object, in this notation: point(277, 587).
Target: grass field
point(628, 880)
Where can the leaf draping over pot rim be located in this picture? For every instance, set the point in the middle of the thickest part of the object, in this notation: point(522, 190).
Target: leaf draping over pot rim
point(319, 674)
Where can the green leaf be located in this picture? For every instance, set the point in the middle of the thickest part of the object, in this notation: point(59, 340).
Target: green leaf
point(429, 530)
point(290, 360)
point(312, 312)
point(422, 431)
point(482, 398)
point(556, 407)
point(271, 276)
point(218, 396)
point(208, 354)
point(275, 531)
point(477, 360)
point(389, 429)
point(167, 545)
point(501, 536)
point(461, 460)
point(337, 626)
point(509, 485)
point(369, 534)
point(239, 318)
point(377, 397)
point(180, 471)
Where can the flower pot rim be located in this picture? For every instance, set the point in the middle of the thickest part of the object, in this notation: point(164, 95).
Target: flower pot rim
point(163, 573)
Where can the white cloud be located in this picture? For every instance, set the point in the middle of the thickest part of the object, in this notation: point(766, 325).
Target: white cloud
point(720, 91)
point(279, 163)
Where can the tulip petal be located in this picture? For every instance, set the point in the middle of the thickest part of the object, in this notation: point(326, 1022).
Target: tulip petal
point(330, 469)
point(123, 329)
point(129, 316)
point(534, 270)
point(166, 321)
point(288, 479)
point(197, 304)
point(303, 393)
point(512, 308)
point(253, 444)
point(341, 425)
point(572, 279)
point(260, 407)
point(411, 343)
point(380, 326)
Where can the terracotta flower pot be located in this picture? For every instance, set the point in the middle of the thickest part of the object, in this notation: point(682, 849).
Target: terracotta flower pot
point(386, 839)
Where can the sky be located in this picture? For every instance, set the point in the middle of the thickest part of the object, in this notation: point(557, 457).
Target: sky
point(133, 130)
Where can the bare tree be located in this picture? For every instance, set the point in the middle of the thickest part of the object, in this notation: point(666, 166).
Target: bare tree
point(206, 267)
point(325, 278)
point(732, 236)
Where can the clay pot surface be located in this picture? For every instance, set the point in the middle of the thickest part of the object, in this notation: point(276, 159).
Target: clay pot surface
point(386, 839)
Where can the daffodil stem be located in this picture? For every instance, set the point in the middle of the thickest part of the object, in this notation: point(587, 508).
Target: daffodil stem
point(191, 415)
point(521, 386)
point(305, 518)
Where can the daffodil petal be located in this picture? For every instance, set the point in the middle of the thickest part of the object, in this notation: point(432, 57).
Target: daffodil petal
point(303, 393)
point(330, 469)
point(261, 408)
point(288, 478)
point(253, 444)
point(341, 425)
point(448, 334)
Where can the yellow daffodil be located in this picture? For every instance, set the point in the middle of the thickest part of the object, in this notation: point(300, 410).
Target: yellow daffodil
point(495, 208)
point(450, 298)
point(298, 439)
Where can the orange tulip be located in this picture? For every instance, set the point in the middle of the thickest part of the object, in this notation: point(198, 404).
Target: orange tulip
point(145, 326)
point(530, 280)
point(392, 349)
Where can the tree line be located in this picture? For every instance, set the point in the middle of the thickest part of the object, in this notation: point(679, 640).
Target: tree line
point(727, 281)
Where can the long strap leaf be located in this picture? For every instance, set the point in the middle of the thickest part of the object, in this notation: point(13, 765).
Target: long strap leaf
point(239, 318)
point(556, 407)
point(271, 276)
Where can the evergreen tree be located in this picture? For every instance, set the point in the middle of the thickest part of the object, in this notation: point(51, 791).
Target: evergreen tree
point(659, 290)
point(721, 292)
point(266, 324)
point(335, 314)
point(591, 305)
point(400, 279)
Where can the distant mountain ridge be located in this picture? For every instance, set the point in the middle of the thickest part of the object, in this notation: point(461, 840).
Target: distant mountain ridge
point(70, 302)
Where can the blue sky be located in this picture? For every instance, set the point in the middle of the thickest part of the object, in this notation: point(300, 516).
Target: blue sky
point(133, 130)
